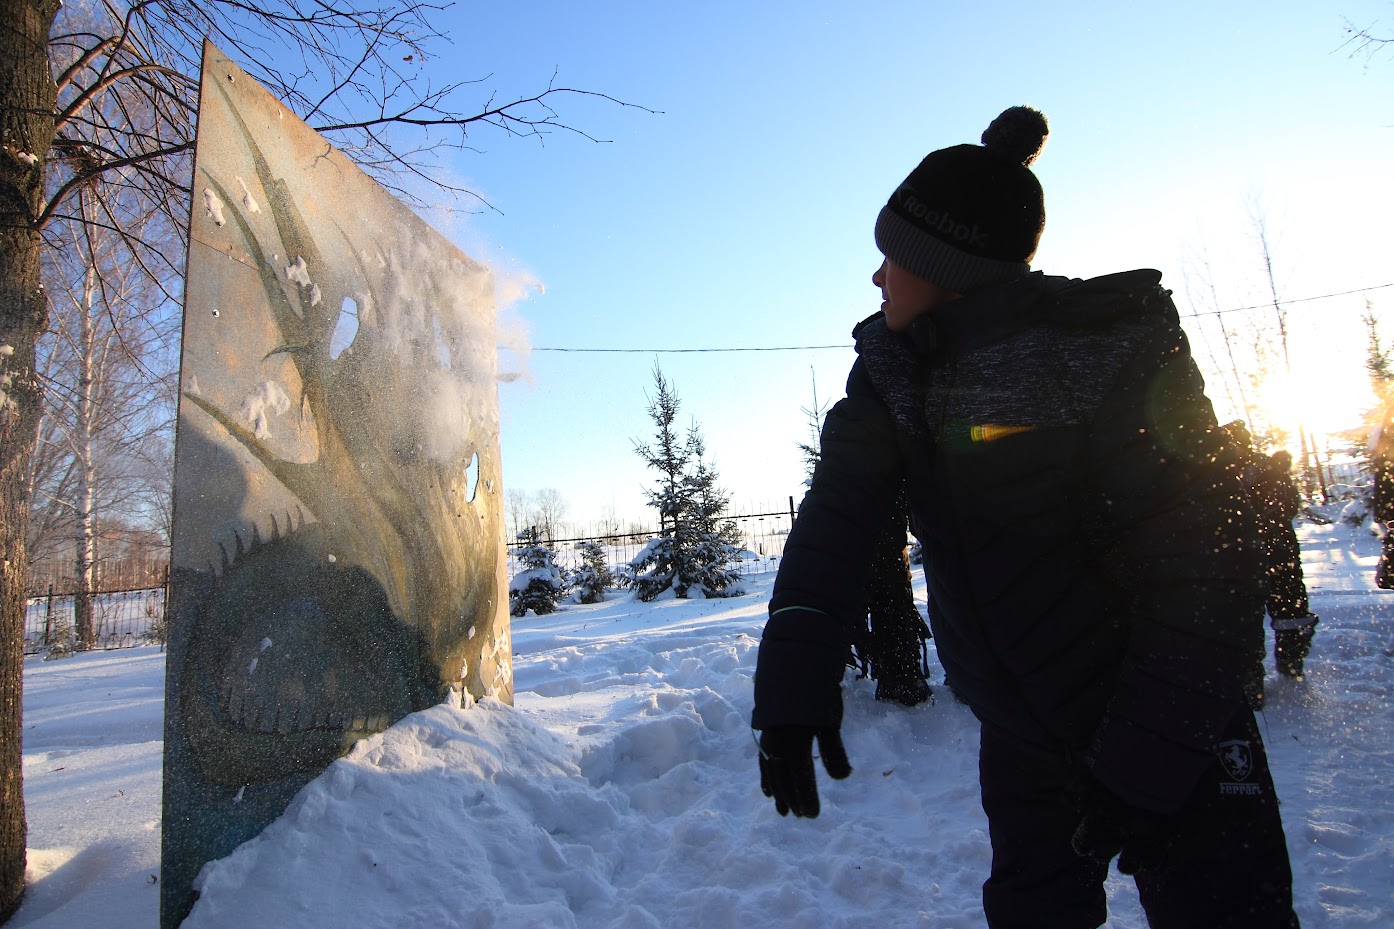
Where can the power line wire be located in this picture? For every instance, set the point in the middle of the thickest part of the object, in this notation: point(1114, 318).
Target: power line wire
point(807, 348)
point(1269, 305)
point(671, 351)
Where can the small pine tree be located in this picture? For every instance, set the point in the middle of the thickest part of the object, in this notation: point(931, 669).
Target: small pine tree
point(592, 578)
point(695, 547)
point(540, 584)
point(715, 539)
point(1379, 420)
point(812, 450)
point(1377, 360)
point(1380, 367)
point(655, 569)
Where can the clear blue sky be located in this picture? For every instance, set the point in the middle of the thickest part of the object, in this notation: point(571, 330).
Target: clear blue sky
point(742, 216)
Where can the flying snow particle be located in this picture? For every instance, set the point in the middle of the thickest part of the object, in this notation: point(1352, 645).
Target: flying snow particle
point(214, 207)
point(237, 797)
point(265, 644)
point(253, 666)
point(314, 295)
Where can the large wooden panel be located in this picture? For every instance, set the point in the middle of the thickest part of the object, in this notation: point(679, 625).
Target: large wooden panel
point(338, 548)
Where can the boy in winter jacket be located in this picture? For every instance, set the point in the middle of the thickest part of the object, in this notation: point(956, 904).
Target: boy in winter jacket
point(1099, 617)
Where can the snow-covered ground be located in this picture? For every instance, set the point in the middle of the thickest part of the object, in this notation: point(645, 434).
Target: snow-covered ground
point(621, 791)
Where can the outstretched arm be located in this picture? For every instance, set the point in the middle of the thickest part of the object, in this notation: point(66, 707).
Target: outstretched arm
point(818, 595)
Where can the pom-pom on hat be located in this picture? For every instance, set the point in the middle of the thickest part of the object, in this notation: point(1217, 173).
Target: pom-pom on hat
point(970, 216)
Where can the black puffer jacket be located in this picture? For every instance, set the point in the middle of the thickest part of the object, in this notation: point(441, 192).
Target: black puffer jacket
point(1095, 578)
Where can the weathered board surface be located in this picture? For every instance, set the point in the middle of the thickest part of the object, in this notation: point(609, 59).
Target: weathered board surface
point(338, 549)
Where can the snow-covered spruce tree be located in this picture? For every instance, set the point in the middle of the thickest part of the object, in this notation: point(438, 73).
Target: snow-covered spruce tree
point(591, 579)
point(691, 550)
point(540, 584)
point(654, 568)
point(812, 449)
point(715, 538)
point(1379, 365)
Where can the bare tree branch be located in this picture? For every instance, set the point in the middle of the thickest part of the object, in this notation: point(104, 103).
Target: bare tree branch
point(1365, 41)
point(507, 117)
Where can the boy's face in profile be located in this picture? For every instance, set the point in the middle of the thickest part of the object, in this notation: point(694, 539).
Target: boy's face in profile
point(905, 296)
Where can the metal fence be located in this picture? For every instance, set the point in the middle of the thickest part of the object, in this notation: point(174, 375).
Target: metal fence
point(132, 573)
point(120, 619)
point(125, 618)
point(762, 545)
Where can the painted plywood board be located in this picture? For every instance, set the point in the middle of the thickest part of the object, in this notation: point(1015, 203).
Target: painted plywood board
point(338, 555)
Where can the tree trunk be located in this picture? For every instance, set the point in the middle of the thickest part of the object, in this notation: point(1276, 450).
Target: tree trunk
point(82, 440)
point(27, 98)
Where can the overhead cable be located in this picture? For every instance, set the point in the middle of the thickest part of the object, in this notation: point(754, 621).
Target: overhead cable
point(807, 348)
point(1269, 304)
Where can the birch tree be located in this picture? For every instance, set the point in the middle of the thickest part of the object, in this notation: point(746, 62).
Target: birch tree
point(108, 365)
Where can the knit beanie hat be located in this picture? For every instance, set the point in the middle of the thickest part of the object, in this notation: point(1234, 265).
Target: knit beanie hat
point(970, 216)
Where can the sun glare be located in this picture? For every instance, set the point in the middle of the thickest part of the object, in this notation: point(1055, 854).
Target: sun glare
point(1322, 405)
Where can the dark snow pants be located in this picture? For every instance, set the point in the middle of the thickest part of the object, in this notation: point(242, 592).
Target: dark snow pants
point(1226, 867)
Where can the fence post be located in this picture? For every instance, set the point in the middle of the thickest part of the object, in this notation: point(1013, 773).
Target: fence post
point(48, 617)
point(791, 511)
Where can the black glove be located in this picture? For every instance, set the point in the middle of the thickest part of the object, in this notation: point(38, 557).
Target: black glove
point(1109, 827)
point(798, 697)
point(786, 766)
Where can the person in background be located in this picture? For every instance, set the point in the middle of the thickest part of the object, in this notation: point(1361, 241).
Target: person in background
point(1382, 463)
point(1293, 622)
point(1267, 480)
point(1093, 569)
